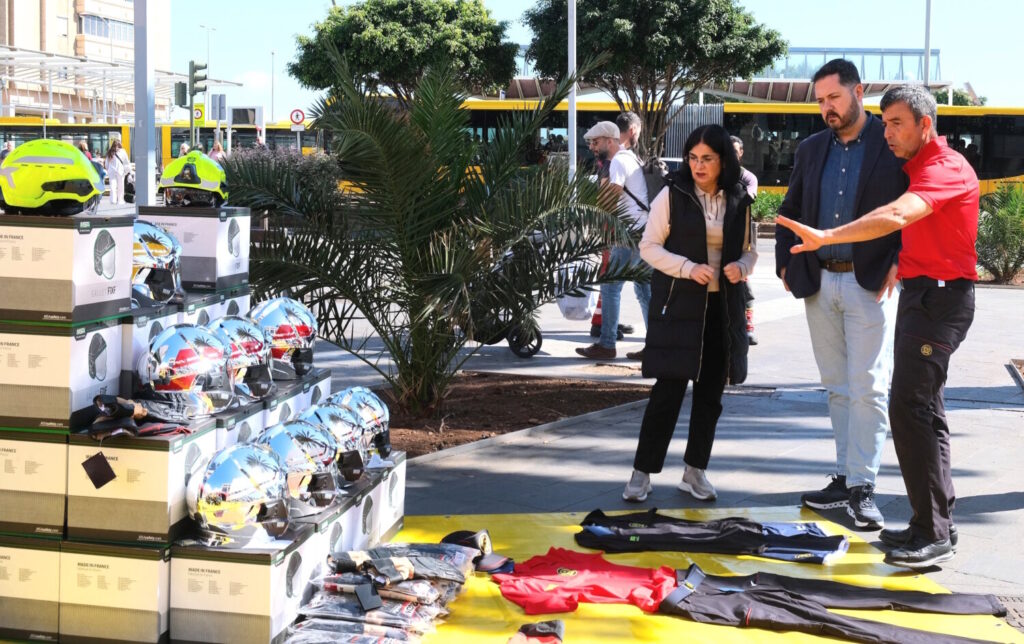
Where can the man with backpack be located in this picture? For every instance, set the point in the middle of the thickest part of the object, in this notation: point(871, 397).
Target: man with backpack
point(626, 186)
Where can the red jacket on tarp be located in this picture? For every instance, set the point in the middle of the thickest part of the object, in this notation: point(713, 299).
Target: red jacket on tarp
point(558, 581)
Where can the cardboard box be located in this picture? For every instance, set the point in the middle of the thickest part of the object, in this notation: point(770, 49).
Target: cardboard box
point(29, 588)
point(145, 503)
point(33, 482)
point(112, 593)
point(389, 497)
point(50, 374)
point(239, 425)
point(237, 301)
point(316, 386)
point(286, 403)
point(201, 308)
point(240, 595)
point(137, 330)
point(69, 270)
point(330, 534)
point(214, 243)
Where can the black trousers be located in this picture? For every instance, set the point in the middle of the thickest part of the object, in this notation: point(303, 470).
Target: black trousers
point(779, 603)
point(931, 323)
point(667, 398)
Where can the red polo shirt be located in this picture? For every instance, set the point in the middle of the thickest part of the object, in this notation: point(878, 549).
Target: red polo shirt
point(941, 245)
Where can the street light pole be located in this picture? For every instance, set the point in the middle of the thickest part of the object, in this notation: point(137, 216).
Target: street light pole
point(572, 92)
point(928, 41)
point(206, 94)
point(271, 85)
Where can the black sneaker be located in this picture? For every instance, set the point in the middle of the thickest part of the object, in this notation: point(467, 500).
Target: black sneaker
point(835, 495)
point(862, 508)
point(920, 553)
point(899, 538)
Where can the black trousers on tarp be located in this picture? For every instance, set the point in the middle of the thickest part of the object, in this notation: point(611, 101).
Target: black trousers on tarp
point(779, 603)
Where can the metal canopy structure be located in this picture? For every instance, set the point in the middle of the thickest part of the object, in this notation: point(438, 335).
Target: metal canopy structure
point(43, 73)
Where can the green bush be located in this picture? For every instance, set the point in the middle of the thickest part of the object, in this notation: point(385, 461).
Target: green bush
point(766, 206)
point(1001, 232)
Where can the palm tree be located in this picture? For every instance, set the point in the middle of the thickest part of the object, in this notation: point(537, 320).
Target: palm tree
point(435, 240)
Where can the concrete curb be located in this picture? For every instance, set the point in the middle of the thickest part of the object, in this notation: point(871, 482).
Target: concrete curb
point(522, 433)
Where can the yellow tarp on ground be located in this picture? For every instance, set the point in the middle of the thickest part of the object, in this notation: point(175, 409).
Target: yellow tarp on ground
point(482, 615)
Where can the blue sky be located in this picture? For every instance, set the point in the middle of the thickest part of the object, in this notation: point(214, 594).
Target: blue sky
point(983, 47)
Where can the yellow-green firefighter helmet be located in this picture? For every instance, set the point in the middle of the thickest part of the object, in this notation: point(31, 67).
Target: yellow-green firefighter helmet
point(194, 180)
point(47, 177)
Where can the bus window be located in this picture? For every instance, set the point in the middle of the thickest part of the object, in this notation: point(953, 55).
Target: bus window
point(1004, 157)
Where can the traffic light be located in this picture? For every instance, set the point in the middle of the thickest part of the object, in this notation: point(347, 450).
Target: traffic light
point(196, 81)
point(181, 94)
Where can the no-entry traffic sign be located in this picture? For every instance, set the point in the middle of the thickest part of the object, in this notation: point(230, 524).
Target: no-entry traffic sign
point(297, 116)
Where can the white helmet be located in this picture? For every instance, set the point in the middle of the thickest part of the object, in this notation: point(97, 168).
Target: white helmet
point(292, 329)
point(250, 356)
point(239, 496)
point(186, 374)
point(310, 454)
point(373, 414)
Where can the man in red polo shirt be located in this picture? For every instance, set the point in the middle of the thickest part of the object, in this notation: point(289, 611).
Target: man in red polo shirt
point(939, 218)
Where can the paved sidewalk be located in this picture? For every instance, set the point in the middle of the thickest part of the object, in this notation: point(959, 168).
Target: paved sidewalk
point(773, 443)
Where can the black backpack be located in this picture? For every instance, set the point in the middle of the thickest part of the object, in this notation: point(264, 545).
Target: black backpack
point(655, 172)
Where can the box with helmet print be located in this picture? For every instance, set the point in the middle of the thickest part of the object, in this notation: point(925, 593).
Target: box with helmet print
point(214, 241)
point(237, 301)
point(240, 425)
point(201, 308)
point(145, 501)
point(65, 270)
point(241, 595)
point(137, 330)
point(50, 374)
point(316, 386)
point(286, 403)
point(114, 593)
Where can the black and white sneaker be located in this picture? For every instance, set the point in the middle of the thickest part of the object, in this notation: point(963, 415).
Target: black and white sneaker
point(862, 508)
point(835, 495)
point(899, 538)
point(920, 553)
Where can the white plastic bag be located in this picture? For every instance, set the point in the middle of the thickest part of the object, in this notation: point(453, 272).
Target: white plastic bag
point(578, 307)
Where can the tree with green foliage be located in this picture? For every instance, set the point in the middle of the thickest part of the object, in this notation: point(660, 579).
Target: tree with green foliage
point(437, 241)
point(960, 97)
point(1001, 232)
point(662, 51)
point(390, 44)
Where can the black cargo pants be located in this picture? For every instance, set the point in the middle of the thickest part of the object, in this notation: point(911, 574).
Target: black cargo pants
point(932, 321)
point(779, 603)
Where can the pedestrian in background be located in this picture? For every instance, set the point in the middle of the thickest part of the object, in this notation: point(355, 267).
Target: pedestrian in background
point(749, 181)
point(117, 165)
point(938, 215)
point(8, 148)
point(698, 240)
point(85, 150)
point(625, 176)
point(217, 153)
point(840, 174)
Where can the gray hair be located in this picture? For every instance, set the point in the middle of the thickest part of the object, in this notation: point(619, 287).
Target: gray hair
point(918, 99)
point(736, 140)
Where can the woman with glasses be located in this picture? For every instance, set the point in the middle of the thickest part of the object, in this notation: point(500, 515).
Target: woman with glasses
point(698, 240)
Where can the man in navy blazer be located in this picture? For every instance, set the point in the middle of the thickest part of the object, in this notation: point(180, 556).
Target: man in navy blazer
point(840, 174)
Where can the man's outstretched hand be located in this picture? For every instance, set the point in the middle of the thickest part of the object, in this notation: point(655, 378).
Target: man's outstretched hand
point(812, 238)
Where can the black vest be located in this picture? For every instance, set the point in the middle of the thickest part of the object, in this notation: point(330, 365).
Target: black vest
point(675, 327)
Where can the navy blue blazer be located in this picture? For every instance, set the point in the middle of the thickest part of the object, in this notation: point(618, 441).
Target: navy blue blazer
point(881, 181)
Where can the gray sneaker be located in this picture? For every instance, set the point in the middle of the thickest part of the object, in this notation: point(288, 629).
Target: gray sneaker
point(638, 488)
point(696, 483)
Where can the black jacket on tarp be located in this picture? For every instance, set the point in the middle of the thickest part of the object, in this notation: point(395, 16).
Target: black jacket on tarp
point(675, 325)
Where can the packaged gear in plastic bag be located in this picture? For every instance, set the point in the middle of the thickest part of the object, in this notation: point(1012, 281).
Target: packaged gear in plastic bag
point(405, 615)
point(392, 563)
point(342, 627)
point(420, 591)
